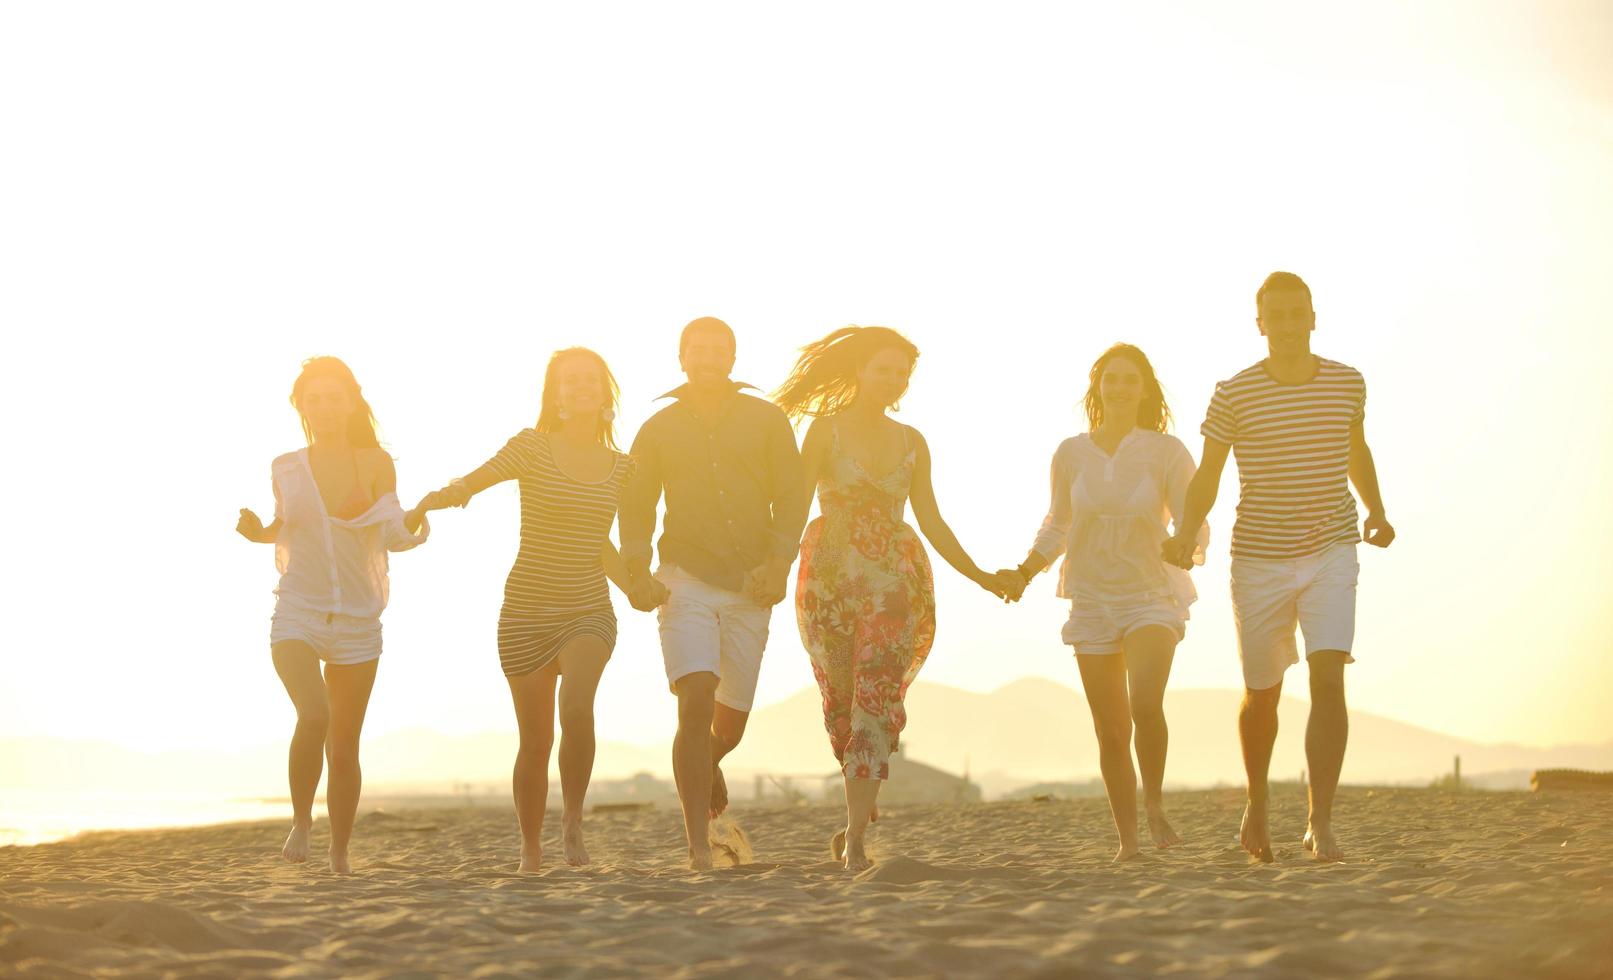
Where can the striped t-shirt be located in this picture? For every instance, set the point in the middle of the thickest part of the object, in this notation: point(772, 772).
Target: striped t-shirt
point(564, 526)
point(1293, 449)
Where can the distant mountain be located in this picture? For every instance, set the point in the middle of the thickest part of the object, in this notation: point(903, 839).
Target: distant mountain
point(1035, 730)
point(1030, 731)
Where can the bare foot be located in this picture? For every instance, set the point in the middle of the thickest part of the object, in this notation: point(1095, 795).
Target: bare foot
point(531, 859)
point(856, 857)
point(1319, 841)
point(1254, 834)
point(296, 847)
point(700, 860)
point(339, 863)
point(1160, 829)
point(1128, 851)
point(837, 843)
point(719, 792)
point(571, 844)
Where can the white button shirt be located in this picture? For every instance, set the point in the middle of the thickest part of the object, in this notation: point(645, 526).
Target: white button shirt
point(1108, 518)
point(327, 564)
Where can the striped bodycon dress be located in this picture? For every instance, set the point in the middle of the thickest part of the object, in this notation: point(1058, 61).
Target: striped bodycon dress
point(557, 590)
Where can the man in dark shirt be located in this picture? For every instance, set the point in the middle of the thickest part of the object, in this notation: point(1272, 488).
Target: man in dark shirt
point(736, 501)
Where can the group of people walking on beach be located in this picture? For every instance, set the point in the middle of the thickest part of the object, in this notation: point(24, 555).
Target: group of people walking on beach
point(1126, 516)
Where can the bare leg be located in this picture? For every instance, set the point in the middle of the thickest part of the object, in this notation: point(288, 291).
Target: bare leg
point(298, 667)
point(1104, 678)
point(837, 686)
point(582, 661)
point(692, 762)
point(349, 689)
point(1257, 731)
point(1149, 652)
point(727, 728)
point(533, 695)
point(1326, 734)
point(860, 797)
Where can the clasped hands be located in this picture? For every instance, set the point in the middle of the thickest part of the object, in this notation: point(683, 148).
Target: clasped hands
point(646, 593)
point(1007, 584)
point(1179, 550)
point(765, 585)
point(453, 495)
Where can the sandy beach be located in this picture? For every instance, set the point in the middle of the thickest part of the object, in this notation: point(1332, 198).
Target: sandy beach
point(1438, 884)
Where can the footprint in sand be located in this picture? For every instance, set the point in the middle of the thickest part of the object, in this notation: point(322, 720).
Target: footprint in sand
point(908, 871)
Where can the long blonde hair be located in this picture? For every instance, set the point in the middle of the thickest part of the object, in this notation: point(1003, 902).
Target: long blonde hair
point(549, 412)
point(362, 429)
point(824, 379)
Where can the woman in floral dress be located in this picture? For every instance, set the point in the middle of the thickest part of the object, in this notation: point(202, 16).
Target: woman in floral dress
point(865, 600)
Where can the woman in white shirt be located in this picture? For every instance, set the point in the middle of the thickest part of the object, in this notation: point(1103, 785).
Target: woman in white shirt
point(1112, 490)
point(336, 515)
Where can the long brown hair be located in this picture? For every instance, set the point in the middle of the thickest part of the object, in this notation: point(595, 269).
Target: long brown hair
point(1152, 412)
point(362, 429)
point(549, 413)
point(824, 380)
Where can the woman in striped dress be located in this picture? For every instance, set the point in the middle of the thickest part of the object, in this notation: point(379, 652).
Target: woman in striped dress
point(557, 623)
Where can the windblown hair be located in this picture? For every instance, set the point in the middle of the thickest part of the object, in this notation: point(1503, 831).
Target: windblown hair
point(1152, 412)
point(362, 429)
point(824, 380)
point(549, 413)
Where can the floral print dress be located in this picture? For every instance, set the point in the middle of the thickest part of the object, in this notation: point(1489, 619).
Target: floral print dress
point(865, 602)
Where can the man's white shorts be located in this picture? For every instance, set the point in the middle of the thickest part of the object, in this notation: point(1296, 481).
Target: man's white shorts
point(706, 628)
point(1270, 597)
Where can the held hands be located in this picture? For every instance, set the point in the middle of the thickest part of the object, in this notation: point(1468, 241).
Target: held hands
point(1377, 531)
point(1013, 583)
point(455, 494)
point(994, 583)
point(646, 594)
point(1178, 550)
point(766, 583)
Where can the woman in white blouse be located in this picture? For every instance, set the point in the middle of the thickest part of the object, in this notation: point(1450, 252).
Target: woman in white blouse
point(336, 515)
point(1112, 491)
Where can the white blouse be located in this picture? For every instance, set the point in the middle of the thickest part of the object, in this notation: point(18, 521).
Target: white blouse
point(1108, 519)
point(327, 564)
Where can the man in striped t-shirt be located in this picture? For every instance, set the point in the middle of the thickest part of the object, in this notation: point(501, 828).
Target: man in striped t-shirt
point(1297, 423)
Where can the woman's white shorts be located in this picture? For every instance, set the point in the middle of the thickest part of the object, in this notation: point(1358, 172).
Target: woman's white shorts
point(337, 639)
point(1101, 627)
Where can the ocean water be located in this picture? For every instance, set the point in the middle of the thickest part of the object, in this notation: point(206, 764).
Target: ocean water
point(33, 817)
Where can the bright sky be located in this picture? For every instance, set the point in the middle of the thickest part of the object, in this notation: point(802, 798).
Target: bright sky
point(198, 196)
